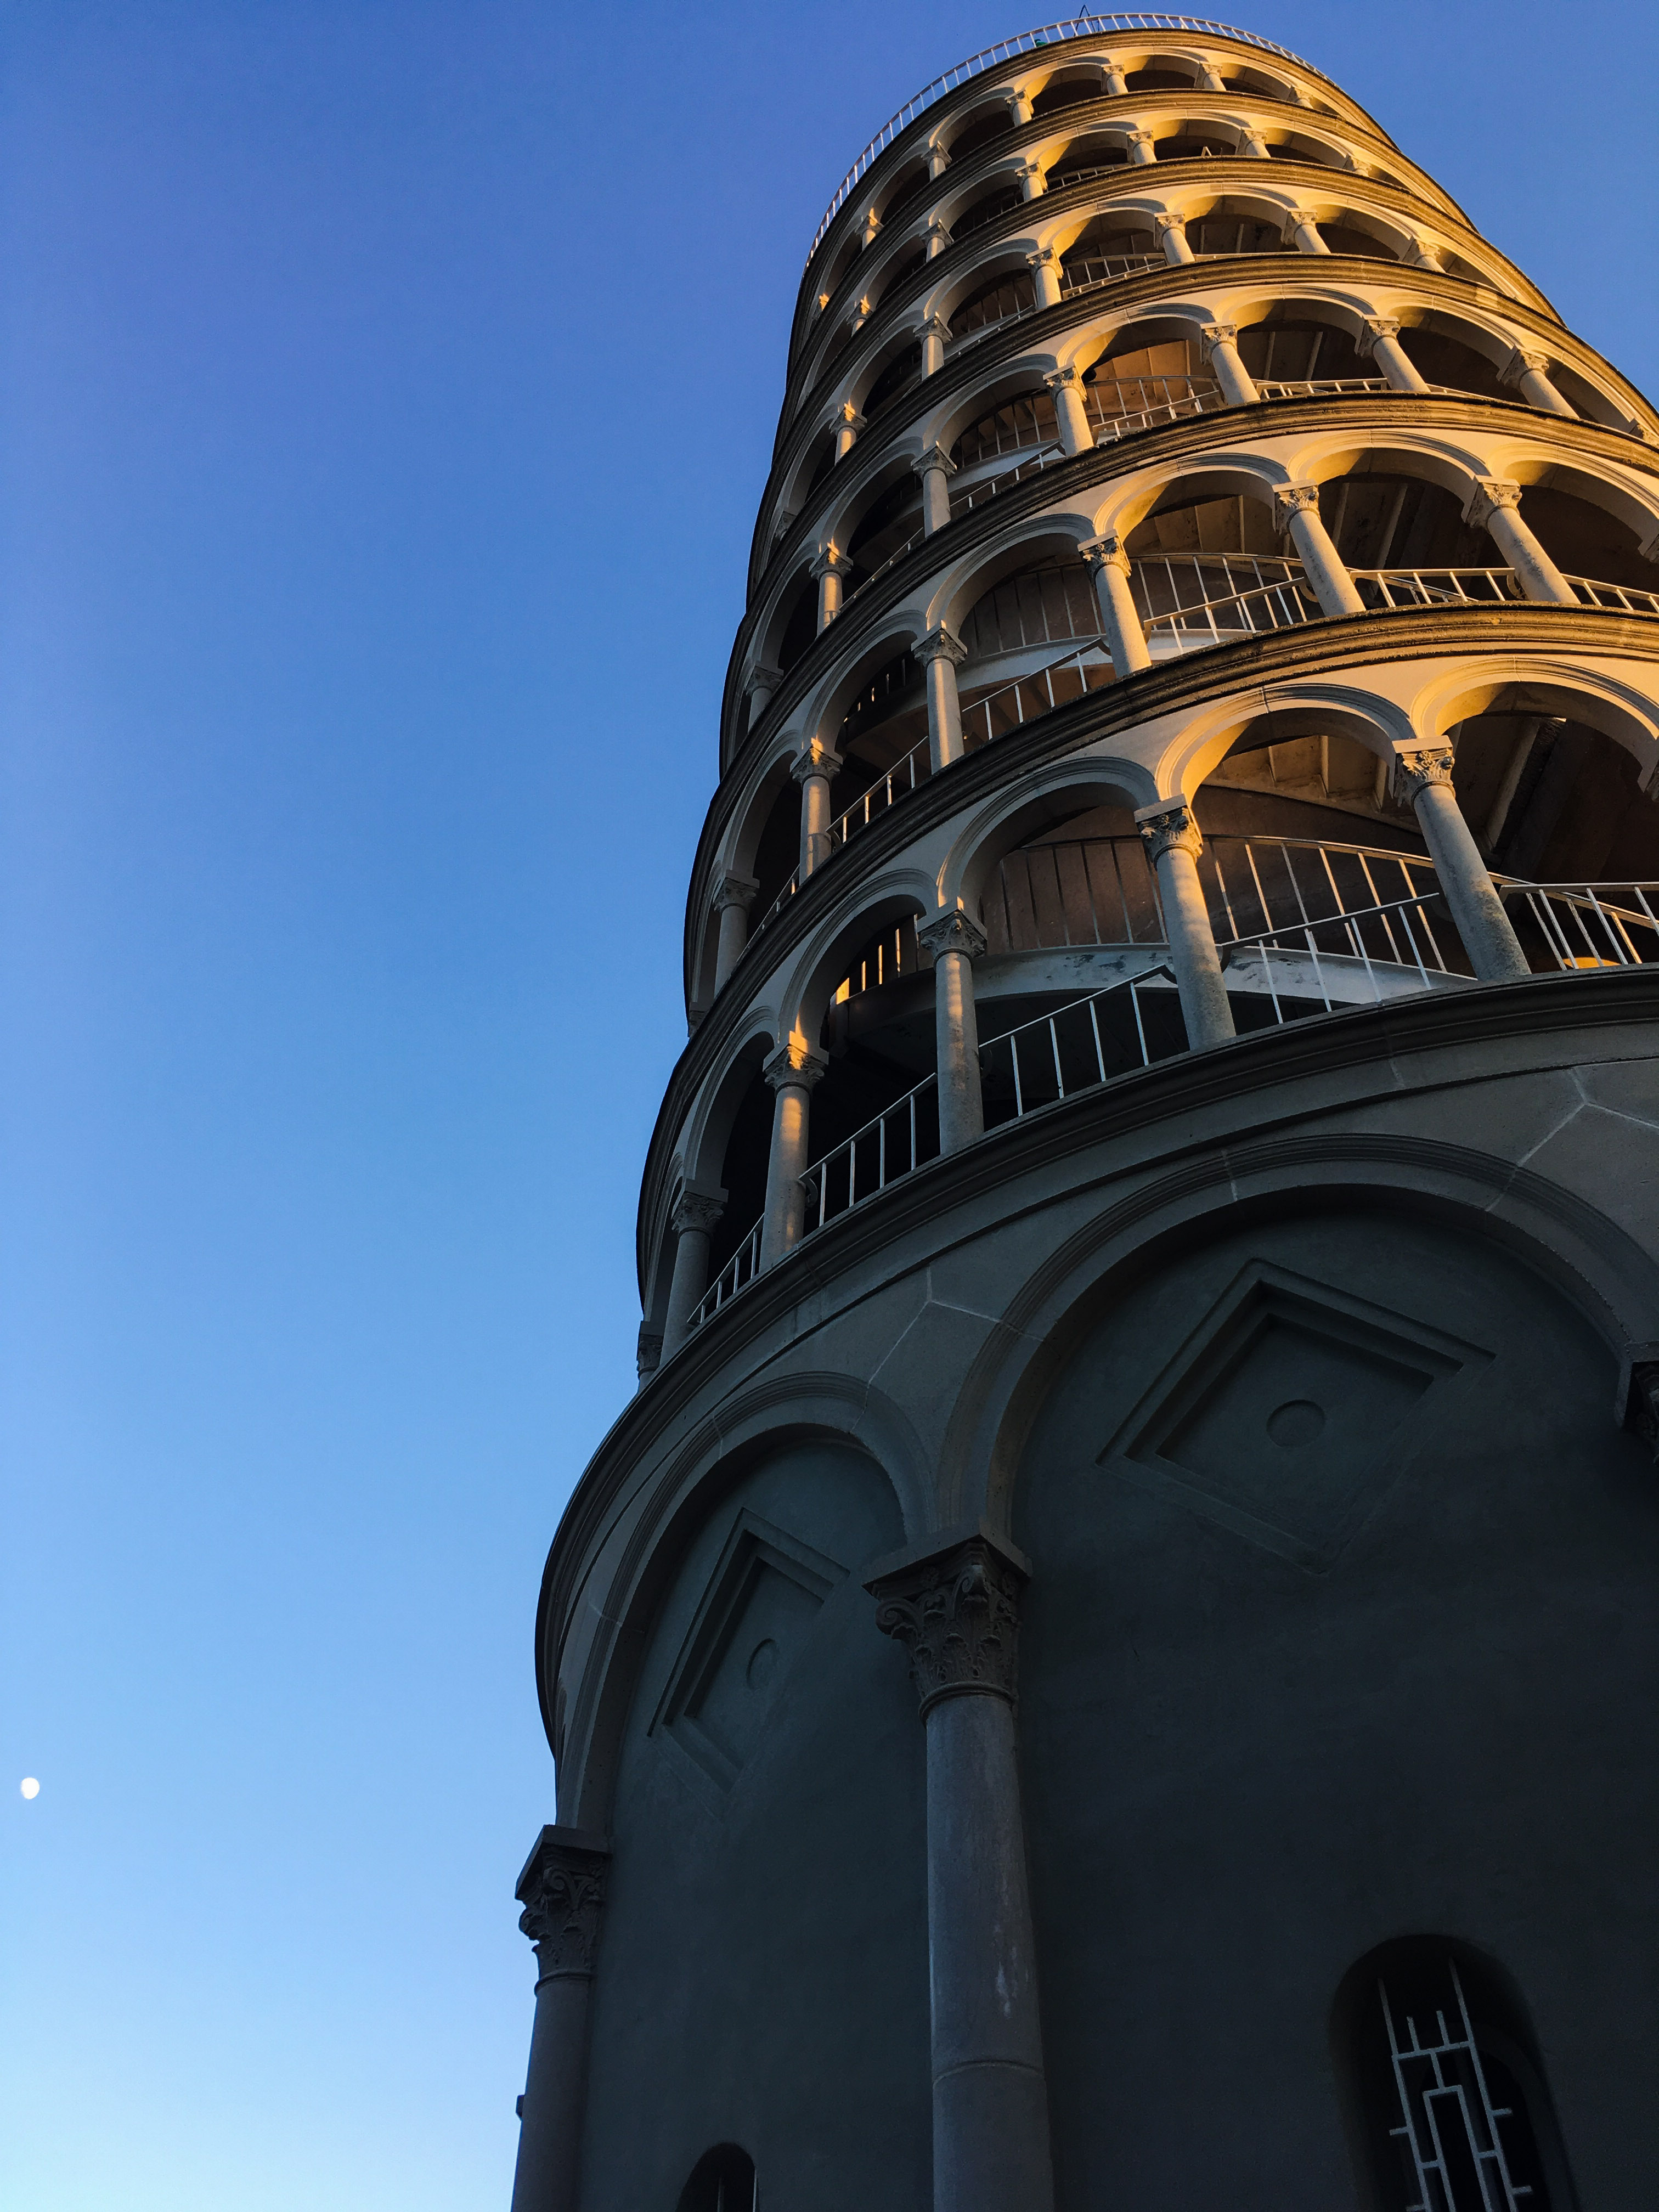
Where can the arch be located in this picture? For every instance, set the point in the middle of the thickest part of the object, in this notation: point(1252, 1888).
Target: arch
point(722, 2180)
point(955, 594)
point(1308, 708)
point(709, 1125)
point(1043, 800)
point(1537, 684)
point(896, 894)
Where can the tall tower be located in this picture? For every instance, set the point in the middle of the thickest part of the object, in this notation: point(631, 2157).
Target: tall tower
point(1111, 1660)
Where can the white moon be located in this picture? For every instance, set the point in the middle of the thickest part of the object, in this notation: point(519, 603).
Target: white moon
point(29, 1786)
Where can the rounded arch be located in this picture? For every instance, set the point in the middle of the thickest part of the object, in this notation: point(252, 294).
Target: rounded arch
point(1307, 709)
point(709, 1125)
point(1249, 476)
point(826, 707)
point(1006, 821)
point(1535, 684)
point(955, 594)
point(894, 895)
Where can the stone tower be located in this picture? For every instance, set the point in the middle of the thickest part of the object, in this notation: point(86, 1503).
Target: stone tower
point(1112, 1659)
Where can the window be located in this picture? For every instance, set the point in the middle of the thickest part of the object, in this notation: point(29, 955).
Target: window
point(722, 2180)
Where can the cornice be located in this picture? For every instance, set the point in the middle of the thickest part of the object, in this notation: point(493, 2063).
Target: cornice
point(1188, 684)
point(1177, 1090)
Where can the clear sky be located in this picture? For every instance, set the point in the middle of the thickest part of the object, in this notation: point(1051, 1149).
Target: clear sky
point(385, 394)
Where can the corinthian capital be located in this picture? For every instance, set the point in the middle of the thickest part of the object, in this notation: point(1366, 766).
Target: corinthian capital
point(795, 1066)
point(1491, 496)
point(1414, 772)
point(958, 1615)
point(815, 758)
point(1295, 499)
point(1375, 327)
point(1107, 552)
point(940, 644)
point(562, 1890)
point(953, 931)
point(1167, 827)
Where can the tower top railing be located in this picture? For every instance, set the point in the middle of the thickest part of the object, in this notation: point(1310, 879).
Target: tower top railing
point(1027, 42)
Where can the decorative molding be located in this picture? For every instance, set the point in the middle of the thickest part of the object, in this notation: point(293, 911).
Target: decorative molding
point(953, 931)
point(815, 758)
point(1295, 499)
point(1106, 552)
point(958, 1615)
point(694, 1209)
point(1414, 772)
point(1059, 380)
point(934, 457)
point(1168, 828)
point(733, 889)
point(940, 644)
point(1373, 328)
point(795, 1066)
point(562, 1890)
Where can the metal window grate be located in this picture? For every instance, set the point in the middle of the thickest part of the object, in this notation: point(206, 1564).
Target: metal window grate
point(1450, 2124)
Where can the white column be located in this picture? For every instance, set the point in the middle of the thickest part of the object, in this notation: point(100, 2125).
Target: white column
point(957, 1612)
point(846, 425)
point(758, 687)
point(1172, 237)
point(1221, 351)
point(1072, 416)
point(1143, 147)
point(830, 570)
point(1118, 614)
point(942, 654)
point(955, 941)
point(1303, 232)
point(1018, 107)
point(562, 1890)
point(1112, 78)
point(1044, 265)
point(1173, 845)
point(1210, 78)
point(1495, 506)
point(812, 768)
point(1425, 778)
point(938, 237)
point(1296, 507)
point(1529, 373)
point(939, 161)
point(935, 468)
point(1379, 339)
point(1419, 254)
point(935, 335)
point(695, 1217)
point(734, 896)
point(1030, 180)
point(793, 1071)
point(1253, 145)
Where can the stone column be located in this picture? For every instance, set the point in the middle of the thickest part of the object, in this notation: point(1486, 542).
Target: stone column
point(1529, 373)
point(1252, 145)
point(848, 424)
point(1419, 254)
point(813, 768)
point(935, 335)
point(1075, 434)
point(1303, 232)
point(759, 686)
point(1297, 509)
point(1425, 778)
point(734, 896)
point(1018, 105)
point(1030, 180)
point(830, 570)
point(1380, 339)
point(1143, 147)
point(1220, 342)
point(1172, 237)
point(938, 237)
point(1495, 506)
point(1210, 78)
point(935, 468)
point(1112, 79)
point(562, 1890)
point(1044, 265)
point(695, 1217)
point(956, 941)
point(1118, 614)
point(939, 161)
point(793, 1071)
point(942, 654)
point(648, 1354)
point(957, 1612)
point(1173, 845)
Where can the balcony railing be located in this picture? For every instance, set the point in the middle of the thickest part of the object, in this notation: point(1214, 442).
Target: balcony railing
point(903, 776)
point(1026, 697)
point(1586, 925)
point(742, 1267)
point(1199, 600)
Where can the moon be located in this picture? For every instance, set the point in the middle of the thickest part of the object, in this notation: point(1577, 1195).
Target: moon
point(29, 1786)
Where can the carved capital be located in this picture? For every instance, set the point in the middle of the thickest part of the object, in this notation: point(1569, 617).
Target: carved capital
point(733, 890)
point(1414, 772)
point(846, 417)
point(1295, 499)
point(1024, 169)
point(940, 644)
point(958, 1615)
point(1139, 138)
point(934, 457)
point(562, 1890)
point(1374, 327)
point(1423, 255)
point(762, 678)
point(1490, 496)
point(1058, 378)
point(815, 758)
point(1044, 257)
point(1168, 828)
point(938, 228)
point(647, 1352)
point(1642, 1410)
point(1105, 552)
point(1297, 219)
point(953, 931)
point(1162, 224)
point(795, 1066)
point(934, 327)
point(831, 562)
point(1522, 360)
point(1218, 334)
point(696, 1209)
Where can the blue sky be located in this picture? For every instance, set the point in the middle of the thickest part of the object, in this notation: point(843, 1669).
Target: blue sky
point(385, 394)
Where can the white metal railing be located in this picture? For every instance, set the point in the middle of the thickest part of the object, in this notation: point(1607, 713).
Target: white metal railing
point(1013, 702)
point(1306, 387)
point(1094, 270)
point(871, 1158)
point(1382, 588)
point(904, 776)
point(779, 903)
point(742, 1267)
point(1178, 594)
point(964, 502)
point(1079, 1046)
point(1591, 925)
point(1258, 889)
point(1072, 26)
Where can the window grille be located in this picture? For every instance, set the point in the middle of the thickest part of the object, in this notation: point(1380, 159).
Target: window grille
point(1457, 2130)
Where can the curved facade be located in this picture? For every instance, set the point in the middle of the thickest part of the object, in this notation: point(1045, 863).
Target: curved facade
point(1112, 1657)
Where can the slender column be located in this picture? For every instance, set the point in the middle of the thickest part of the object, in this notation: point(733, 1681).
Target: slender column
point(1030, 180)
point(1044, 265)
point(1075, 434)
point(1529, 373)
point(943, 654)
point(562, 1890)
point(1112, 78)
point(1253, 145)
point(1495, 506)
point(848, 424)
point(1173, 845)
point(955, 941)
point(812, 768)
point(957, 1612)
point(758, 687)
point(734, 896)
point(1019, 107)
point(935, 468)
point(939, 161)
point(695, 1217)
point(1210, 78)
point(830, 569)
point(1302, 231)
point(1425, 778)
point(1221, 351)
point(1419, 254)
point(1298, 508)
point(1143, 147)
point(793, 1071)
point(1380, 339)
point(1118, 614)
point(1172, 237)
point(938, 237)
point(935, 335)
point(648, 1354)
